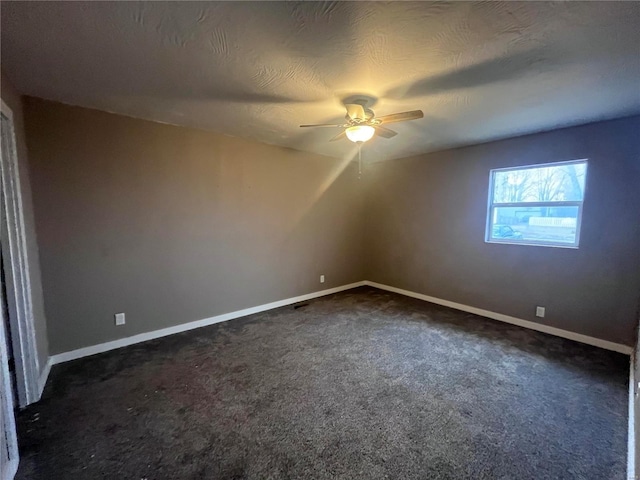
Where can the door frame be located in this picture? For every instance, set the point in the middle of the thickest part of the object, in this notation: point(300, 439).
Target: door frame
point(16, 263)
point(7, 470)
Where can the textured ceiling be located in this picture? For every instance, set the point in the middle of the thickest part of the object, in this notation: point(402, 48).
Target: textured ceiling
point(478, 70)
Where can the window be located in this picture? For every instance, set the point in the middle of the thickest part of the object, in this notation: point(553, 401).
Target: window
point(537, 204)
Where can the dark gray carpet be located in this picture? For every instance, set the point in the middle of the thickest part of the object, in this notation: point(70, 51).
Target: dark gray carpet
point(364, 384)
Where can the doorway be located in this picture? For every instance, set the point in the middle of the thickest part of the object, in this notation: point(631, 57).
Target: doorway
point(18, 328)
point(11, 361)
point(8, 438)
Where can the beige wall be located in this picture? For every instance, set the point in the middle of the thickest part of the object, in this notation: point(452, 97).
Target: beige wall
point(426, 224)
point(12, 99)
point(171, 224)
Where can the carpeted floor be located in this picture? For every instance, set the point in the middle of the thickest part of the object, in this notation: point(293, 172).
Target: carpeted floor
point(363, 384)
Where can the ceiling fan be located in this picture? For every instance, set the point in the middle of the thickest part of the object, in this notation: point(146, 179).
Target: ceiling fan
point(361, 123)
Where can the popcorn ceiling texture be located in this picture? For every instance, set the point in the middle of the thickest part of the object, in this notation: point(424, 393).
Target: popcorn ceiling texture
point(479, 70)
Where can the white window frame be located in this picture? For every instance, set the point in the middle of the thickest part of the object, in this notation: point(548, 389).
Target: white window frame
point(493, 205)
point(16, 262)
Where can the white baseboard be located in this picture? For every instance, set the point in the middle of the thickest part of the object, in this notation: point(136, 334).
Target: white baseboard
point(104, 347)
point(578, 337)
point(44, 375)
point(143, 337)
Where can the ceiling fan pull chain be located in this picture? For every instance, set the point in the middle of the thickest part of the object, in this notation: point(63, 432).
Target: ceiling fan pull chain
point(359, 160)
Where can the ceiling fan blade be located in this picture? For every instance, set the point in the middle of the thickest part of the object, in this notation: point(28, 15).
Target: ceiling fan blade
point(323, 125)
point(356, 112)
point(385, 132)
point(401, 117)
point(338, 136)
point(489, 72)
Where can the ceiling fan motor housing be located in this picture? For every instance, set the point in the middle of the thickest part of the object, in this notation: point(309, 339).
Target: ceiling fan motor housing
point(357, 114)
point(361, 123)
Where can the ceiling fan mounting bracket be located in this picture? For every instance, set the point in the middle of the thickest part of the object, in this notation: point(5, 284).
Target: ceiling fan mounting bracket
point(366, 101)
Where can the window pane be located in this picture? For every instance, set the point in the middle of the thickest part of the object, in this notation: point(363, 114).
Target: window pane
point(534, 224)
point(554, 183)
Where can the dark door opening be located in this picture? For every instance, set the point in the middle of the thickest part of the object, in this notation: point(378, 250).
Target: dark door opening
point(7, 334)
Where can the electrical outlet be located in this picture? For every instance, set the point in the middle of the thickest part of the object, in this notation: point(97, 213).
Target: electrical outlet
point(321, 278)
point(540, 312)
point(120, 319)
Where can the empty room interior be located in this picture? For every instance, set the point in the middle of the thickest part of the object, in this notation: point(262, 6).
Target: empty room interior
point(319, 240)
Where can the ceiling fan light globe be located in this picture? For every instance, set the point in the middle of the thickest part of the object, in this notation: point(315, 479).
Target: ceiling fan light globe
point(360, 133)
